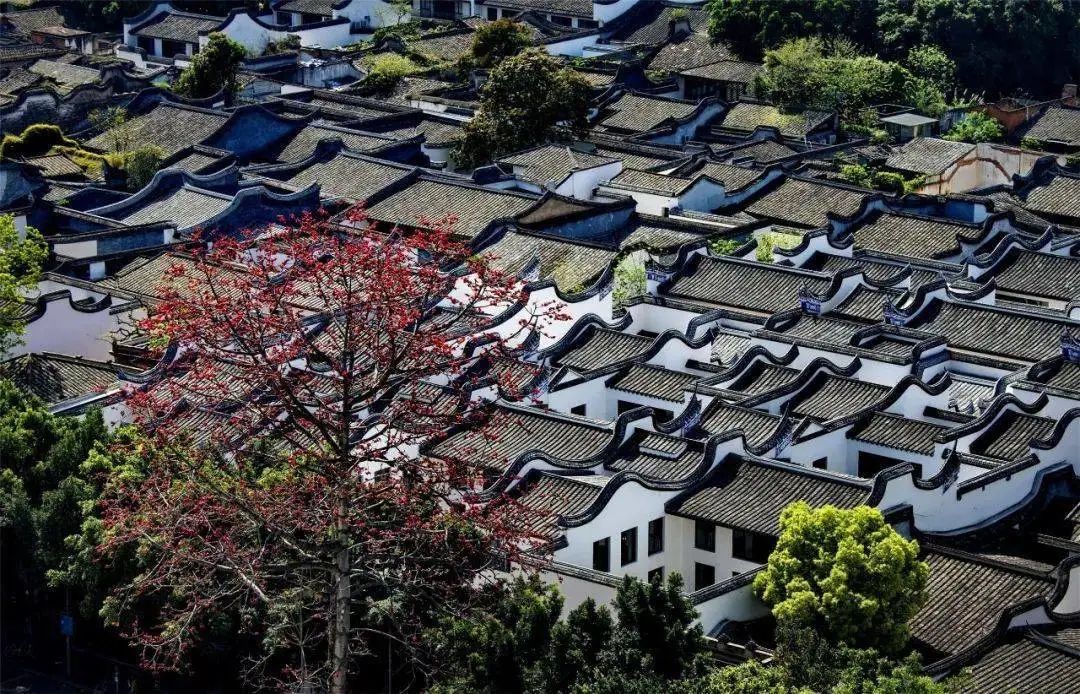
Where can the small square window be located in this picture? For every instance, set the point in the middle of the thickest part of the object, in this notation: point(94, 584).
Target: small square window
point(601, 554)
point(493, 13)
point(656, 575)
point(578, 410)
point(704, 575)
point(751, 546)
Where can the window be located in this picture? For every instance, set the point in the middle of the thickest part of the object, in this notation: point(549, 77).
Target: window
point(656, 575)
point(578, 409)
point(821, 463)
point(560, 21)
point(663, 415)
point(626, 406)
point(751, 546)
point(284, 18)
point(628, 546)
point(705, 536)
point(656, 536)
point(146, 43)
point(493, 13)
point(704, 575)
point(601, 554)
point(587, 23)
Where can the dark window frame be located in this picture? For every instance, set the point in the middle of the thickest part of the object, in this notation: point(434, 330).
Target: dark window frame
point(705, 536)
point(700, 572)
point(655, 535)
point(601, 555)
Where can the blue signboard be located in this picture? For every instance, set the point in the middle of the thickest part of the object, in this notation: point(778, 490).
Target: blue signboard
point(67, 625)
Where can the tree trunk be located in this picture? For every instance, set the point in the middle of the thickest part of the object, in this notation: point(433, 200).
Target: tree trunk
point(339, 635)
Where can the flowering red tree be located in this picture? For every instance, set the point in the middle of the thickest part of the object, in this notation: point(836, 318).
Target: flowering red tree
point(283, 485)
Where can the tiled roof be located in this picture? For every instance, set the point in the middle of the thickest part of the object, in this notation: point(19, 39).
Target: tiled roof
point(656, 237)
point(602, 348)
point(178, 26)
point(748, 495)
point(1058, 124)
point(873, 269)
point(301, 145)
point(571, 8)
point(762, 377)
point(30, 20)
point(168, 126)
point(323, 8)
point(894, 431)
point(726, 71)
point(765, 150)
point(720, 417)
point(54, 377)
point(804, 203)
point(194, 162)
point(547, 497)
point(444, 47)
point(632, 160)
point(1066, 377)
point(927, 155)
point(727, 347)
point(17, 80)
point(474, 208)
point(340, 104)
point(967, 597)
point(1043, 274)
point(55, 165)
point(65, 74)
point(1059, 198)
point(632, 179)
point(552, 163)
point(27, 51)
point(650, 22)
point(733, 177)
point(981, 329)
point(654, 381)
point(638, 113)
point(186, 207)
point(343, 176)
point(509, 433)
point(917, 237)
point(745, 116)
point(751, 286)
point(659, 457)
point(1027, 664)
point(435, 132)
point(689, 52)
point(571, 265)
point(836, 396)
point(1009, 437)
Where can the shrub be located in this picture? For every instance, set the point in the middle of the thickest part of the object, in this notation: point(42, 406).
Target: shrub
point(34, 141)
point(386, 70)
point(976, 127)
point(142, 164)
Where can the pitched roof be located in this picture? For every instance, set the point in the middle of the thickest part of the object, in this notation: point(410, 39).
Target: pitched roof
point(721, 417)
point(187, 207)
point(1010, 436)
point(632, 179)
point(1058, 198)
point(323, 8)
point(654, 381)
point(927, 155)
point(1042, 274)
point(967, 597)
point(552, 163)
point(745, 116)
point(571, 8)
point(639, 113)
point(570, 264)
point(759, 287)
point(446, 46)
point(650, 22)
point(1056, 124)
point(55, 165)
point(749, 495)
point(547, 497)
point(894, 431)
point(802, 202)
point(833, 397)
point(303, 143)
point(54, 377)
point(168, 126)
point(349, 177)
point(66, 75)
point(762, 377)
point(474, 208)
point(760, 151)
point(726, 71)
point(908, 235)
point(18, 79)
point(509, 433)
point(659, 457)
point(693, 50)
point(602, 348)
point(983, 329)
point(1046, 661)
point(178, 26)
point(30, 20)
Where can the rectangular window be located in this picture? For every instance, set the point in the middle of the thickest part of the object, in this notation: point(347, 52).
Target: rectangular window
point(870, 464)
point(751, 546)
point(601, 554)
point(705, 536)
point(587, 23)
point(626, 406)
point(560, 21)
point(578, 410)
point(704, 575)
point(821, 463)
point(628, 546)
point(656, 575)
point(493, 13)
point(656, 536)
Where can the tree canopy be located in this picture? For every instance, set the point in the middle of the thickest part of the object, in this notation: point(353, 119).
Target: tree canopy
point(21, 260)
point(214, 68)
point(521, 103)
point(494, 41)
point(976, 127)
point(847, 574)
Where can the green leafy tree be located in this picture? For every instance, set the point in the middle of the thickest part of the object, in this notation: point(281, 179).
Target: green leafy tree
point(846, 573)
point(976, 127)
point(856, 175)
point(214, 68)
point(34, 141)
point(752, 26)
point(724, 246)
point(496, 41)
point(142, 164)
point(386, 70)
point(113, 121)
point(21, 260)
point(764, 252)
point(576, 645)
point(630, 280)
point(522, 102)
point(933, 65)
